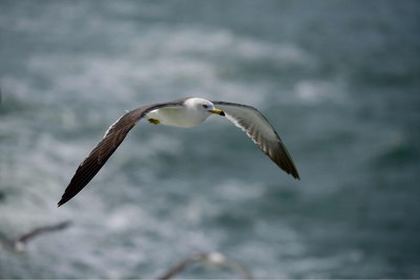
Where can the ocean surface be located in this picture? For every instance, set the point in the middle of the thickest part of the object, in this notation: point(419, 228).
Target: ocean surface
point(339, 80)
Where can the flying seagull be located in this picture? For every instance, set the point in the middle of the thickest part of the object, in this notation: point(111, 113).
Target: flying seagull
point(186, 112)
point(19, 244)
point(212, 258)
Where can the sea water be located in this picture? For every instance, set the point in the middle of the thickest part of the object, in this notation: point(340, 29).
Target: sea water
point(339, 80)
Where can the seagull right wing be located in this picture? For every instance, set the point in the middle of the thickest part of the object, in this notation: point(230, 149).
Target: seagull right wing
point(105, 148)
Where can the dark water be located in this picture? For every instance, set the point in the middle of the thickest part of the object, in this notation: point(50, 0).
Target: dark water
point(340, 80)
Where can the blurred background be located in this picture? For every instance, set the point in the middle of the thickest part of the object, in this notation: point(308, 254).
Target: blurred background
point(339, 80)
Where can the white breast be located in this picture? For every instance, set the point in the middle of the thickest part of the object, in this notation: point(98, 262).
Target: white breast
point(178, 116)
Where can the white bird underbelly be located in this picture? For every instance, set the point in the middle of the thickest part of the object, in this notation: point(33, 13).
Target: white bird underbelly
point(179, 117)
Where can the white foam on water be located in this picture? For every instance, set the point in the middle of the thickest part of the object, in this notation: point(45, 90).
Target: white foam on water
point(223, 43)
point(236, 190)
point(160, 60)
point(18, 90)
point(316, 92)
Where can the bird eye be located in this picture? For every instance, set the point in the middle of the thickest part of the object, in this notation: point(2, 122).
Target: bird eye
point(205, 106)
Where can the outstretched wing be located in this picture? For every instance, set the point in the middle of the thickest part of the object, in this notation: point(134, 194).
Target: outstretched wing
point(262, 133)
point(101, 153)
point(213, 258)
point(38, 231)
point(105, 148)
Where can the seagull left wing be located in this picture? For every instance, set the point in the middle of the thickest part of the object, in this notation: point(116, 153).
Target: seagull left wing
point(105, 148)
point(261, 132)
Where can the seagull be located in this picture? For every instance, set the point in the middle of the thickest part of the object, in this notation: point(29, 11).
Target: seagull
point(187, 112)
point(19, 244)
point(212, 258)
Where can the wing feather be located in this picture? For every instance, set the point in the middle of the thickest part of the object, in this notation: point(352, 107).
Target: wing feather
point(113, 137)
point(40, 230)
point(261, 132)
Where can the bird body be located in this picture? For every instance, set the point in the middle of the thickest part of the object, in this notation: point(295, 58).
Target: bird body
point(189, 115)
point(187, 112)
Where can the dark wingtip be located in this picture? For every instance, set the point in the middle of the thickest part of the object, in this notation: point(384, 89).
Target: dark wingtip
point(292, 170)
point(61, 202)
point(295, 175)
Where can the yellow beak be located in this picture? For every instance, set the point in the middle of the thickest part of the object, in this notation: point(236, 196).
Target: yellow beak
point(217, 111)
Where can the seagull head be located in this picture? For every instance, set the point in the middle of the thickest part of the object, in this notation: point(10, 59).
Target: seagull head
point(204, 105)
